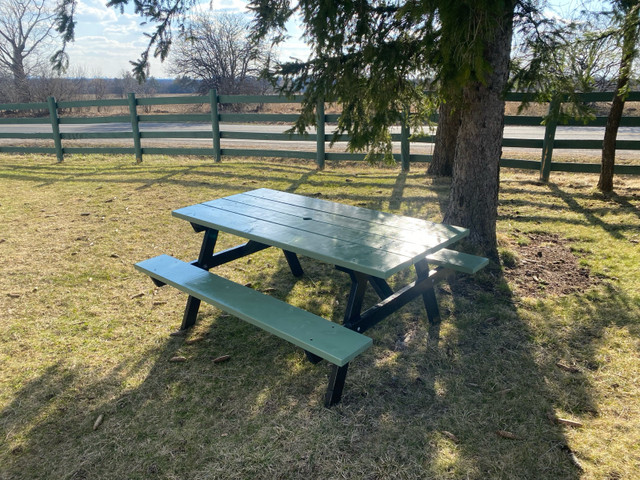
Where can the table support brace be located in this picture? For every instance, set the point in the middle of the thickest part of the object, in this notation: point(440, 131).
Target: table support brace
point(372, 316)
point(381, 287)
point(225, 256)
point(207, 260)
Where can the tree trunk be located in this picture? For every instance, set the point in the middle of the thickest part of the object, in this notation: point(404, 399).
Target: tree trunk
point(21, 87)
point(446, 137)
point(476, 171)
point(605, 183)
point(20, 83)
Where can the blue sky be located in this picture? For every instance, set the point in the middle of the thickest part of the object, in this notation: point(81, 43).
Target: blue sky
point(107, 40)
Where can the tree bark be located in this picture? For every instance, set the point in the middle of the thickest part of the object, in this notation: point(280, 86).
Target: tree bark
point(605, 182)
point(446, 138)
point(20, 83)
point(476, 171)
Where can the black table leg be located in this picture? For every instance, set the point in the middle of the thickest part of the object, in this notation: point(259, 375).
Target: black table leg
point(356, 296)
point(338, 374)
point(206, 253)
point(429, 295)
point(354, 305)
point(312, 357)
point(190, 313)
point(336, 385)
point(294, 263)
point(206, 249)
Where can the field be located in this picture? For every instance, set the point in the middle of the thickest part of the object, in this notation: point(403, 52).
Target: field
point(533, 374)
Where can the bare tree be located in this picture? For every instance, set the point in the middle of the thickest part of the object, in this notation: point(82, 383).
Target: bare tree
point(98, 86)
point(126, 84)
point(216, 51)
point(44, 83)
point(25, 31)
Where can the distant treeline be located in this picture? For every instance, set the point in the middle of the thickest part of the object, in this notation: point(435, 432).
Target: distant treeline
point(38, 89)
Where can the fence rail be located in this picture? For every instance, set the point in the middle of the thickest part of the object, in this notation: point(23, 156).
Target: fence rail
point(215, 133)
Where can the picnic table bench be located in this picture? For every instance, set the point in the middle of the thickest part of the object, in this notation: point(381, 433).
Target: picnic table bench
point(368, 245)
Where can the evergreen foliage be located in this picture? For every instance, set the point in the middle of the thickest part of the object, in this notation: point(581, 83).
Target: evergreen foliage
point(378, 58)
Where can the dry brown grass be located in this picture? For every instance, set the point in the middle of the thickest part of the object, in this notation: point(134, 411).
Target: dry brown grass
point(84, 335)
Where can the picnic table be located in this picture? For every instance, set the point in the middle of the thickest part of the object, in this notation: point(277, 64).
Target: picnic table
point(370, 246)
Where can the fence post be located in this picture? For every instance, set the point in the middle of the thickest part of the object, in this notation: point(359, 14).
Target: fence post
point(549, 137)
point(320, 153)
point(55, 128)
point(215, 124)
point(404, 142)
point(135, 128)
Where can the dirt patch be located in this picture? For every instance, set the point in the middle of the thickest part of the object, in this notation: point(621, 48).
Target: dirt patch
point(545, 265)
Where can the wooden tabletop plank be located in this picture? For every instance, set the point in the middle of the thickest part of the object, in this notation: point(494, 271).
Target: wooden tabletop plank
point(424, 237)
point(338, 232)
point(371, 242)
point(371, 261)
point(350, 211)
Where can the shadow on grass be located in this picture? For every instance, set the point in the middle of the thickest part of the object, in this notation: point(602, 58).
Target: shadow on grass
point(213, 176)
point(624, 203)
point(579, 343)
point(576, 202)
point(587, 213)
point(414, 407)
point(427, 409)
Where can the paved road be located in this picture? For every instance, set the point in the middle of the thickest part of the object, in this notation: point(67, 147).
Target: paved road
point(574, 133)
point(583, 133)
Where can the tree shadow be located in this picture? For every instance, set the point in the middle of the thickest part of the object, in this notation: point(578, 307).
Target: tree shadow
point(591, 215)
point(624, 203)
point(588, 214)
point(480, 381)
point(304, 179)
point(189, 417)
point(397, 193)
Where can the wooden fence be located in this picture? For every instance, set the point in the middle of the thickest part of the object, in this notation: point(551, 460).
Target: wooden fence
point(215, 133)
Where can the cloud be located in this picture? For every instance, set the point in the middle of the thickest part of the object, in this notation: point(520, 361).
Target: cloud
point(95, 11)
point(225, 5)
point(108, 40)
point(109, 54)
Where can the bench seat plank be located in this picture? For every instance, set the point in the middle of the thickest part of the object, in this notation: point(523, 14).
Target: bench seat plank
point(328, 340)
point(461, 262)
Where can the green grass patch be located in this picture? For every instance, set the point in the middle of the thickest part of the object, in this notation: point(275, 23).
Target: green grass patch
point(83, 335)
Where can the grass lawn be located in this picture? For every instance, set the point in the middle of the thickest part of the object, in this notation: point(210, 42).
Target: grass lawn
point(536, 374)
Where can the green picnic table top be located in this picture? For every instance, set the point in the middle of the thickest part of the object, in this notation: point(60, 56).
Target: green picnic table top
point(368, 241)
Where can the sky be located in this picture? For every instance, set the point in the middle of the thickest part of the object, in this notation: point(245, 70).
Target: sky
point(107, 40)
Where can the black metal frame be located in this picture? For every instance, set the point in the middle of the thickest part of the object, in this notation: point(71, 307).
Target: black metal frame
point(390, 302)
point(208, 259)
point(354, 317)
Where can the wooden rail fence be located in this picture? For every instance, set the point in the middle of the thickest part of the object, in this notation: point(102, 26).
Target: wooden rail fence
point(547, 144)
